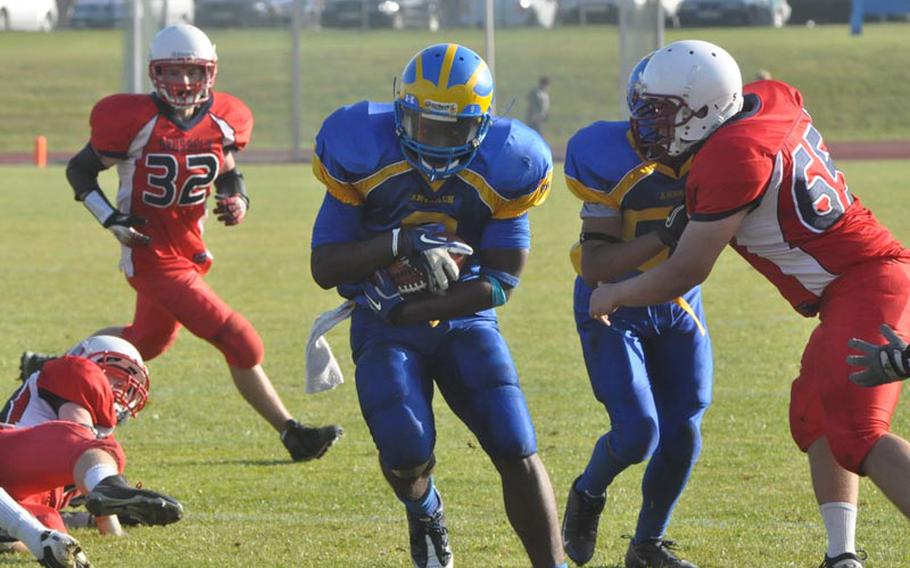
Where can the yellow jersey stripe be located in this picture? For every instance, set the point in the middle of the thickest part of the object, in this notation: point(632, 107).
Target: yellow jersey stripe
point(340, 190)
point(590, 195)
point(366, 185)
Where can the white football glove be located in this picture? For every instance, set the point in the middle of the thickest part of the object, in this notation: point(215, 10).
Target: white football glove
point(880, 364)
point(60, 550)
point(441, 268)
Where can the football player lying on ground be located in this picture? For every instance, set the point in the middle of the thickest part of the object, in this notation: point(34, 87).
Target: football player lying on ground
point(394, 173)
point(170, 147)
point(763, 181)
point(58, 426)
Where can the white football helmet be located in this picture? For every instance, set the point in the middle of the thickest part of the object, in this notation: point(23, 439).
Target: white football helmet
point(182, 44)
point(680, 94)
point(123, 366)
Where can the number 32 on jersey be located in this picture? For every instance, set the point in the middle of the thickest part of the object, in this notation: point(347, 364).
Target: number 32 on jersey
point(165, 171)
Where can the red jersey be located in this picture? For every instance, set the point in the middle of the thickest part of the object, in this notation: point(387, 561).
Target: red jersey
point(167, 171)
point(804, 227)
point(64, 379)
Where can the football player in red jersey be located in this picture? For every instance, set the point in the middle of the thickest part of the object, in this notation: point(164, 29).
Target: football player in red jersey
point(169, 147)
point(55, 430)
point(763, 181)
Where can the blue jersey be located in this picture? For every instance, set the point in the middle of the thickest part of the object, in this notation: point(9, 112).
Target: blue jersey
point(372, 189)
point(602, 168)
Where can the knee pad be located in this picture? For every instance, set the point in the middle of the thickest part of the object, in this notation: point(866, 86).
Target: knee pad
point(150, 343)
point(634, 441)
point(417, 471)
point(238, 341)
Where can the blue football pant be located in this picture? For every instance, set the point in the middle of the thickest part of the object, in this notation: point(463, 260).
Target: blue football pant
point(472, 366)
point(656, 387)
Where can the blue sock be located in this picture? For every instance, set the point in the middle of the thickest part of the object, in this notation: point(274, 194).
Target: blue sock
point(602, 469)
point(563, 565)
point(426, 505)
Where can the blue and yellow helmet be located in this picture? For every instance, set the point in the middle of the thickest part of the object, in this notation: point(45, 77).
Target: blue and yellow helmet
point(442, 108)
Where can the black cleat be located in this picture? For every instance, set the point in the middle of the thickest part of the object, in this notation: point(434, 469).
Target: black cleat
point(430, 540)
point(845, 560)
point(30, 362)
point(307, 443)
point(579, 524)
point(144, 506)
point(654, 554)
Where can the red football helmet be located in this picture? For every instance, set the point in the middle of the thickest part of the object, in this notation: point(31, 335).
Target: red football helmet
point(182, 65)
point(123, 366)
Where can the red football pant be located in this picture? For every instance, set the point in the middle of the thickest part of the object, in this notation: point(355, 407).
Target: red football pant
point(168, 300)
point(823, 401)
point(38, 463)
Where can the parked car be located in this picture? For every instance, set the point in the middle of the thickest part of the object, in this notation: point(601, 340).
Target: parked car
point(28, 15)
point(820, 11)
point(604, 11)
point(397, 14)
point(113, 13)
point(773, 13)
point(506, 13)
point(242, 13)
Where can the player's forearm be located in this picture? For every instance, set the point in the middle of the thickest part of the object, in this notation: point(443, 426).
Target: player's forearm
point(346, 263)
point(605, 262)
point(461, 299)
point(658, 285)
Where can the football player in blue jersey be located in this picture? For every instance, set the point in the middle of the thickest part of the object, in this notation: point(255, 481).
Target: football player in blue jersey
point(652, 369)
point(403, 180)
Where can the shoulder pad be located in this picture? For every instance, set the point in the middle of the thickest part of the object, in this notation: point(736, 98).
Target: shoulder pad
point(355, 142)
point(115, 121)
point(597, 157)
point(234, 118)
point(82, 382)
point(513, 169)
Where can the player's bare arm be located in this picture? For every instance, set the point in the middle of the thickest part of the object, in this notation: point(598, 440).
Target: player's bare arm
point(344, 263)
point(465, 298)
point(72, 412)
point(700, 245)
point(604, 257)
point(82, 173)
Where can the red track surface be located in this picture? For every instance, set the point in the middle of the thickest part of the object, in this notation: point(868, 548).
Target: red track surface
point(894, 150)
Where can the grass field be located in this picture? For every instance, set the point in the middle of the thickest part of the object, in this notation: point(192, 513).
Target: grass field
point(749, 503)
point(854, 86)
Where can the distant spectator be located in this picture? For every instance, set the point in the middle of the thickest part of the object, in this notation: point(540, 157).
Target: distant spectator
point(538, 104)
point(762, 75)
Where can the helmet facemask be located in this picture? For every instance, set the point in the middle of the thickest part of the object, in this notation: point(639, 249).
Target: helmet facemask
point(183, 83)
point(655, 120)
point(440, 145)
point(129, 381)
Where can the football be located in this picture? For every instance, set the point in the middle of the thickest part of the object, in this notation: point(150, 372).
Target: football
point(411, 278)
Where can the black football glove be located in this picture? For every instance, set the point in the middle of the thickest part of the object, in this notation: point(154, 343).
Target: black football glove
point(673, 227)
point(121, 225)
point(880, 364)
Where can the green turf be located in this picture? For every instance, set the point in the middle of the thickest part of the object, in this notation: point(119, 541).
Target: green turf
point(749, 503)
point(853, 85)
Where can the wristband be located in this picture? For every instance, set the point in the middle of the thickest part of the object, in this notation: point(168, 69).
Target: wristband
point(98, 205)
point(395, 234)
point(498, 294)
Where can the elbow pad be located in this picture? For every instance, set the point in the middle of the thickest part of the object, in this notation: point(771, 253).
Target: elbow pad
point(229, 184)
point(82, 172)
